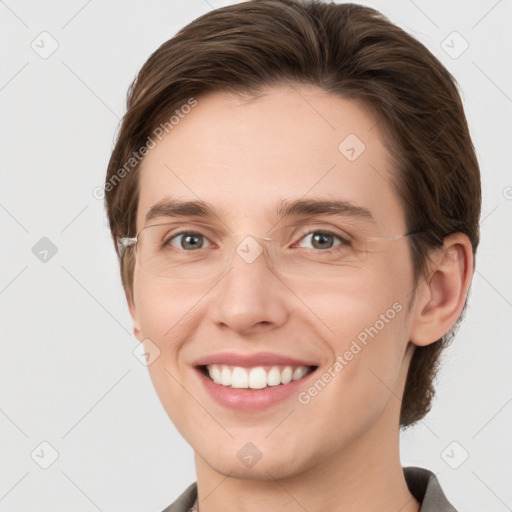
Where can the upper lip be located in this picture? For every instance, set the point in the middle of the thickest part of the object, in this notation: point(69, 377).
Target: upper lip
point(251, 360)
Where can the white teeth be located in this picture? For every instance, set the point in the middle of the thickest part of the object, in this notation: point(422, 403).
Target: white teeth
point(286, 375)
point(225, 376)
point(239, 378)
point(274, 376)
point(215, 374)
point(258, 378)
point(299, 372)
point(254, 378)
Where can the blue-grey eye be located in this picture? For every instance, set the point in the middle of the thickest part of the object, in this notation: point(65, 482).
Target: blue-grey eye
point(322, 240)
point(188, 241)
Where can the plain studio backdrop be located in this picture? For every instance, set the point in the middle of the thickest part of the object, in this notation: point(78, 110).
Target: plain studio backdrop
point(81, 426)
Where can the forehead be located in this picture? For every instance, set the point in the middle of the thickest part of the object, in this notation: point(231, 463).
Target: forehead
point(246, 154)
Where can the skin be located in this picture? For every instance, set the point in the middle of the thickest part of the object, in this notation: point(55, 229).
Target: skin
point(340, 451)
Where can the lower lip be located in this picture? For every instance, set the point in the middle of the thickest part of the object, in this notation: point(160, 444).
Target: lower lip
point(251, 399)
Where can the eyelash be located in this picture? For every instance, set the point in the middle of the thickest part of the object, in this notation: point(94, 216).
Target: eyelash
point(344, 242)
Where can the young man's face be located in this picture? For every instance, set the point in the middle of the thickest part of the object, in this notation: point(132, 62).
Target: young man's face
point(348, 322)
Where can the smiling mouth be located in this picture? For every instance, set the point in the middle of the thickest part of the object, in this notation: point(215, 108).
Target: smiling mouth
point(257, 377)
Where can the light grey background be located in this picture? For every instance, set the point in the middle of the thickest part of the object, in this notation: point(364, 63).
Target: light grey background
point(68, 376)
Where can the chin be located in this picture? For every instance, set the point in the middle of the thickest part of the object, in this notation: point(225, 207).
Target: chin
point(263, 470)
point(261, 461)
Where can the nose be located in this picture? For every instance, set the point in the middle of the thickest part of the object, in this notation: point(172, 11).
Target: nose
point(250, 296)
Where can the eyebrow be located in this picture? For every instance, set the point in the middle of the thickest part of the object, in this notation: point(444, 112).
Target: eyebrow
point(306, 207)
point(173, 208)
point(169, 207)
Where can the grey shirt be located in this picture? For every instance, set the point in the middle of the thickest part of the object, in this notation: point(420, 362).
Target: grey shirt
point(422, 484)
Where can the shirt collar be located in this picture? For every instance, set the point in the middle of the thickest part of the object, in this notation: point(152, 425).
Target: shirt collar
point(423, 485)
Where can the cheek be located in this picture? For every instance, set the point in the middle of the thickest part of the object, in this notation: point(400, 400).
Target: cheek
point(366, 301)
point(366, 362)
point(368, 325)
point(161, 310)
point(369, 330)
point(167, 318)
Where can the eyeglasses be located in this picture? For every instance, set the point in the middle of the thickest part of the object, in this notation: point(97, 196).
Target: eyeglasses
point(195, 251)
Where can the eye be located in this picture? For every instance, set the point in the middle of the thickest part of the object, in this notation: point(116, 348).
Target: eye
point(323, 240)
point(187, 241)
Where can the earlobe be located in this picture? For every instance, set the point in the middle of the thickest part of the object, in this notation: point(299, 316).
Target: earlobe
point(441, 299)
point(135, 319)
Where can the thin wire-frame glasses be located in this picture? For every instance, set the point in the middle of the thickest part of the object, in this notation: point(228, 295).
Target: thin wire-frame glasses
point(181, 251)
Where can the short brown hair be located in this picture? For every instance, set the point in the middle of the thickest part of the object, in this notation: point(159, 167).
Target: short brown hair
point(348, 50)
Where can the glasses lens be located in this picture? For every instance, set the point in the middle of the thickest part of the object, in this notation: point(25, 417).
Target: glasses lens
point(192, 252)
point(317, 250)
point(180, 251)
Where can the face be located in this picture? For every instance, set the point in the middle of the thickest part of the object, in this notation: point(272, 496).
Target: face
point(339, 328)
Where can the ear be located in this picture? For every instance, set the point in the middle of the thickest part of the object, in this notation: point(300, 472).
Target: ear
point(440, 300)
point(135, 319)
